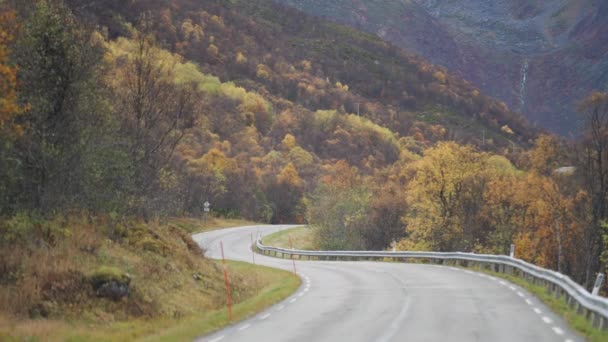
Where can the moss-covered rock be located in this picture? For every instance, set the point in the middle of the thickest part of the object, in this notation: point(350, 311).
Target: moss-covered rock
point(110, 282)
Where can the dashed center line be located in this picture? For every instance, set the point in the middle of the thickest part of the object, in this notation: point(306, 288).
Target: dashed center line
point(537, 310)
point(558, 330)
point(520, 294)
point(293, 300)
point(219, 338)
point(264, 316)
point(243, 327)
point(547, 320)
point(529, 302)
point(512, 288)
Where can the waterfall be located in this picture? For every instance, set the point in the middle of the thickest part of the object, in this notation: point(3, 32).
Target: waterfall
point(522, 85)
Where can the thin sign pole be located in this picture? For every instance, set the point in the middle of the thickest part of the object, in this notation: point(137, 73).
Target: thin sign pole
point(292, 259)
point(227, 282)
point(252, 249)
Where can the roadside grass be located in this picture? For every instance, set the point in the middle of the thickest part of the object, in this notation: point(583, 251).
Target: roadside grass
point(559, 306)
point(198, 225)
point(302, 238)
point(278, 285)
point(272, 286)
point(174, 293)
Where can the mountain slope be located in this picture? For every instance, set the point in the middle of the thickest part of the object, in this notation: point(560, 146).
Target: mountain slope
point(302, 59)
point(540, 57)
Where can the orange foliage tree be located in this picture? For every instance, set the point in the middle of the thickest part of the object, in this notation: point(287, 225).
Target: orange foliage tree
point(9, 107)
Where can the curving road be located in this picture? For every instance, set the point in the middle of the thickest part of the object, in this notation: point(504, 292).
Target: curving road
point(375, 301)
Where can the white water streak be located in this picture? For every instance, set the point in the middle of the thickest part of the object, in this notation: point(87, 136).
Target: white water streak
point(522, 85)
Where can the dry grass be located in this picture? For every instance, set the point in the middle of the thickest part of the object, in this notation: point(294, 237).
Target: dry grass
point(47, 295)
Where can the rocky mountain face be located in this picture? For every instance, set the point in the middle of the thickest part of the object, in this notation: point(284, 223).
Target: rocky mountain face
point(540, 57)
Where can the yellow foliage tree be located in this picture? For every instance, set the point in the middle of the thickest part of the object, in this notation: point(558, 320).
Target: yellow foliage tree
point(289, 176)
point(263, 72)
point(289, 142)
point(436, 194)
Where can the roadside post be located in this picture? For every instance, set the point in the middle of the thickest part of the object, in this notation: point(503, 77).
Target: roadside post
point(252, 248)
point(598, 284)
point(512, 252)
point(292, 259)
point(206, 206)
point(227, 283)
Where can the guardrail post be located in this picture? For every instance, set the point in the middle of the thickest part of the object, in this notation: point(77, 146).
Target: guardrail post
point(595, 319)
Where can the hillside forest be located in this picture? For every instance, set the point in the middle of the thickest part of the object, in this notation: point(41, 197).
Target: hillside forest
point(116, 116)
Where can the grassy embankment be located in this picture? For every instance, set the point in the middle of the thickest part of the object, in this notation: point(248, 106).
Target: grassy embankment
point(48, 293)
point(301, 237)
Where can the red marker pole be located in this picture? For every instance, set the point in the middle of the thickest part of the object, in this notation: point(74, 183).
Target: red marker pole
point(252, 249)
point(292, 259)
point(227, 282)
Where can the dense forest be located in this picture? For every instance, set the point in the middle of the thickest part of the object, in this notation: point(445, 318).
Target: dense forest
point(123, 112)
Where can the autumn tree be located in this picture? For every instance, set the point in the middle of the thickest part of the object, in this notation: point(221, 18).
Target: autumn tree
point(286, 192)
point(339, 209)
point(593, 164)
point(9, 108)
point(444, 181)
point(60, 77)
point(154, 114)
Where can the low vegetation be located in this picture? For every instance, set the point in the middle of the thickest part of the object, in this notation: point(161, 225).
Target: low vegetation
point(300, 238)
point(95, 278)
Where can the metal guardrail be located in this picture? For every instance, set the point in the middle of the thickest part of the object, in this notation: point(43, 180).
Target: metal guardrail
point(593, 307)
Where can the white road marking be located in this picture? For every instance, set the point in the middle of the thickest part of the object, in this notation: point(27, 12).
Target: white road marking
point(547, 320)
point(468, 272)
point(293, 300)
point(265, 316)
point(306, 289)
point(529, 302)
point(397, 322)
point(520, 294)
point(537, 310)
point(300, 294)
point(558, 330)
point(569, 340)
point(281, 308)
point(512, 288)
point(243, 327)
point(219, 338)
point(503, 283)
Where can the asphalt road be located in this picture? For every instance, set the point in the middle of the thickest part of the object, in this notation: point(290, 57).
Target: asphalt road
point(376, 301)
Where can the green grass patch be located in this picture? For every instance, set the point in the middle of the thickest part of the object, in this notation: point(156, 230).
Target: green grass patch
point(559, 306)
point(279, 285)
point(302, 238)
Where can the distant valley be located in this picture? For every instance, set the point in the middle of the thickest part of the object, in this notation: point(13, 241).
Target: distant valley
point(540, 57)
